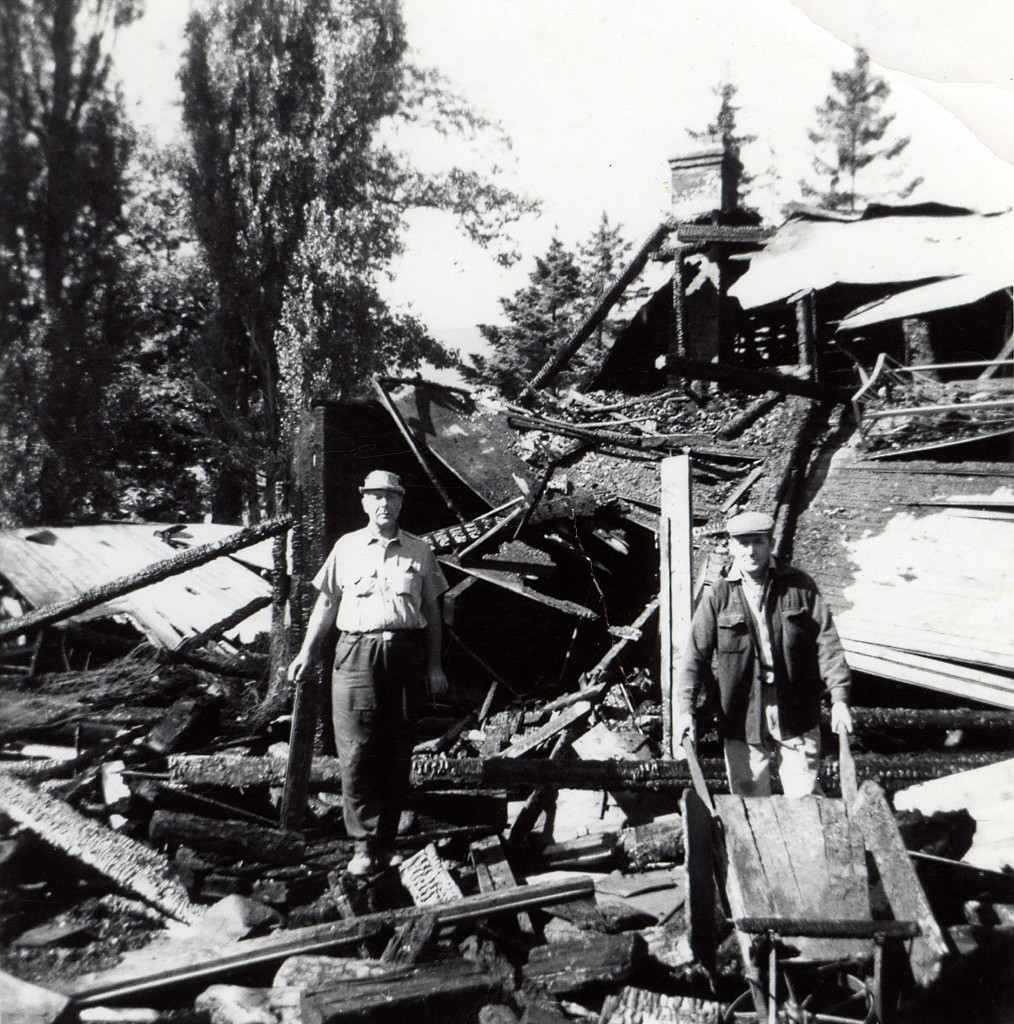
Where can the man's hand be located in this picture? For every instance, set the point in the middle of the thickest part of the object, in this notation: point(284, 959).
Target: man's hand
point(840, 716)
point(685, 725)
point(436, 681)
point(298, 667)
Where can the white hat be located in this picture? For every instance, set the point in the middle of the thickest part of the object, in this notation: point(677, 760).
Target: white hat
point(381, 480)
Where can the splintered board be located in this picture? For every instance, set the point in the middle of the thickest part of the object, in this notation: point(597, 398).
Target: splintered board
point(796, 858)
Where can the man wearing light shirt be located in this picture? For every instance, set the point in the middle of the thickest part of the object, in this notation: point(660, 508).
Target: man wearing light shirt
point(764, 635)
point(381, 587)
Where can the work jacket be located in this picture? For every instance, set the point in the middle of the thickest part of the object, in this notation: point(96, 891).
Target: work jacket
point(806, 653)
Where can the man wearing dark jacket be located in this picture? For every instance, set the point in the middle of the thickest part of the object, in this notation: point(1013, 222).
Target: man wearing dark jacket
point(765, 637)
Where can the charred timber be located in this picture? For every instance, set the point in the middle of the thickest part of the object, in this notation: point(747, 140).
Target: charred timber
point(753, 380)
point(233, 838)
point(154, 573)
point(894, 771)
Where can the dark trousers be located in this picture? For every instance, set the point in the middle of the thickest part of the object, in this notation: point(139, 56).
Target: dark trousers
point(369, 690)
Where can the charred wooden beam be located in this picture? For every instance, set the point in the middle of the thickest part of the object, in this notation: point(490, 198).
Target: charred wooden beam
point(220, 628)
point(658, 842)
point(441, 986)
point(410, 940)
point(564, 720)
point(733, 234)
point(162, 570)
point(183, 964)
point(493, 872)
point(233, 838)
point(755, 380)
point(128, 863)
point(589, 962)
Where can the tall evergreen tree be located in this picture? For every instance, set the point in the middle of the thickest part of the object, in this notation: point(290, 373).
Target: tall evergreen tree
point(64, 146)
point(563, 289)
point(850, 124)
point(298, 206)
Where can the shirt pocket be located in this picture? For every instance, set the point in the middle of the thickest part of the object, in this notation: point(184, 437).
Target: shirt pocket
point(798, 622)
point(733, 633)
point(407, 582)
point(363, 586)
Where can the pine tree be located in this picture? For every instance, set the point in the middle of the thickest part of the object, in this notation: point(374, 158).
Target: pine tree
point(725, 130)
point(851, 124)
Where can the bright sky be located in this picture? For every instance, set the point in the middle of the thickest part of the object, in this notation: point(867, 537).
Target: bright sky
point(597, 94)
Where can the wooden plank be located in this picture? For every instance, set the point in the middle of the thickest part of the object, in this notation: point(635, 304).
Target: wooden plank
point(493, 872)
point(908, 902)
point(676, 575)
point(530, 740)
point(128, 863)
point(590, 961)
point(184, 962)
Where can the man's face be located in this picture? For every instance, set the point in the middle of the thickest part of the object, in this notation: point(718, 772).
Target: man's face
point(751, 552)
point(383, 508)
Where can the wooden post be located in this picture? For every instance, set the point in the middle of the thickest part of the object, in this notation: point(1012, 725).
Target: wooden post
point(678, 338)
point(675, 578)
point(805, 332)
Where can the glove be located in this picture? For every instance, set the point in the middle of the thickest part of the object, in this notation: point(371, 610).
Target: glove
point(685, 725)
point(840, 715)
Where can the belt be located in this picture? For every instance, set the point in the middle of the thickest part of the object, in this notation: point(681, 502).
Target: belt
point(383, 634)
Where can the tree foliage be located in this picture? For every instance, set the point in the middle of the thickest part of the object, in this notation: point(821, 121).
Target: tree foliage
point(64, 147)
point(853, 128)
point(725, 130)
point(561, 292)
point(298, 203)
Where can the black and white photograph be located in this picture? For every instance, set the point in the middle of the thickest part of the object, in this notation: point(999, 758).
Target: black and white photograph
point(506, 512)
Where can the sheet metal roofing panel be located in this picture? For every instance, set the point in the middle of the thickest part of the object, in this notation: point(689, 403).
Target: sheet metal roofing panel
point(946, 294)
point(64, 562)
point(806, 255)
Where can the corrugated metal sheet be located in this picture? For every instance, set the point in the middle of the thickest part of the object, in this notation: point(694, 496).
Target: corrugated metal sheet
point(955, 291)
point(806, 255)
point(64, 562)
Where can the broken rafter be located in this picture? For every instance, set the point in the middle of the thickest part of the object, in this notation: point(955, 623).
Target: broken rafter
point(128, 863)
point(556, 362)
point(215, 632)
point(154, 573)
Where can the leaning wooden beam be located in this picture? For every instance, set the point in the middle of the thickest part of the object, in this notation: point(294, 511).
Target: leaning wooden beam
point(529, 741)
point(185, 964)
point(154, 573)
point(128, 863)
point(215, 632)
point(601, 310)
point(406, 432)
point(755, 381)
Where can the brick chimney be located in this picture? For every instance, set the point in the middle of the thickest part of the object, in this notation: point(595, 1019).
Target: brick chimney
point(705, 181)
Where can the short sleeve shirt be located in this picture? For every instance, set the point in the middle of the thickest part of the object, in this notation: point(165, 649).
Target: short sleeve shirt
point(380, 583)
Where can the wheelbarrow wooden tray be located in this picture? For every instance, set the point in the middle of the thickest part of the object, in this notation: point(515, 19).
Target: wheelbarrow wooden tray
point(796, 859)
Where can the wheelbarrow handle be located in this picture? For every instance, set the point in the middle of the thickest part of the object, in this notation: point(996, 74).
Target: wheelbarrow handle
point(846, 766)
point(696, 775)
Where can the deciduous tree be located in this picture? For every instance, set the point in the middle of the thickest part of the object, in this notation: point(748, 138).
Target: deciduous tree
point(298, 203)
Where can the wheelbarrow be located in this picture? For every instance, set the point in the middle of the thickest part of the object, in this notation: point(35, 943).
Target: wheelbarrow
point(831, 921)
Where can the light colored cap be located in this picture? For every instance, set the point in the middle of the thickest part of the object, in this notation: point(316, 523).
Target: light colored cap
point(749, 522)
point(381, 480)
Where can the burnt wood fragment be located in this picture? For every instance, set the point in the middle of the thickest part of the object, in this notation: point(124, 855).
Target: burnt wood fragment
point(233, 838)
point(588, 962)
